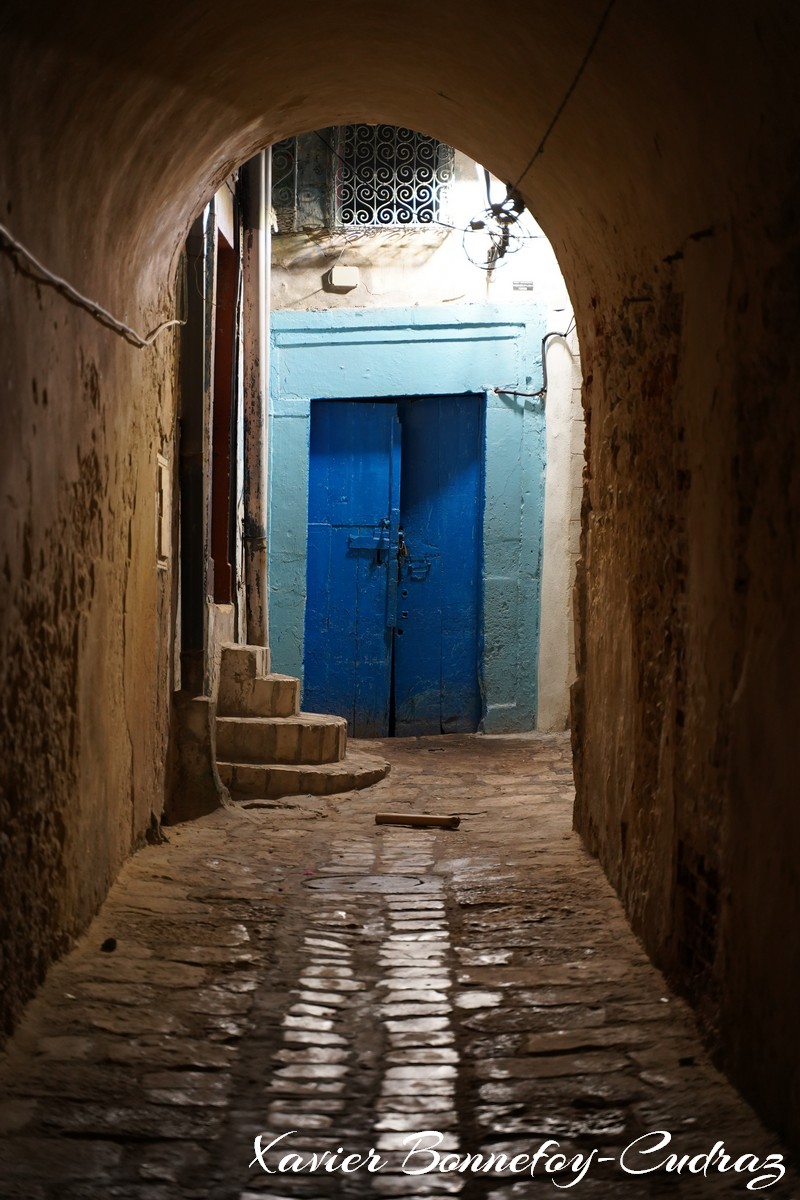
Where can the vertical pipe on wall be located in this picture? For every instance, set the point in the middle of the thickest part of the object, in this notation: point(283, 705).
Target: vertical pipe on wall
point(266, 309)
point(193, 463)
point(255, 176)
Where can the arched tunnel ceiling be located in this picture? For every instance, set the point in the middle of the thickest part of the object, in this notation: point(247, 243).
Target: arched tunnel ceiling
point(118, 122)
point(130, 117)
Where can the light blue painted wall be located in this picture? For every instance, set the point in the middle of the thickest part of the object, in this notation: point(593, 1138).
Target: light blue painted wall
point(368, 353)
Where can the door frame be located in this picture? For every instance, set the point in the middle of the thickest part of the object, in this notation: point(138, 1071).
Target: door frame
point(393, 353)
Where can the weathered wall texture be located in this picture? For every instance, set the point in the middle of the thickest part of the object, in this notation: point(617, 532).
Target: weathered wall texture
point(115, 130)
point(400, 268)
point(423, 266)
point(84, 622)
point(444, 350)
point(688, 646)
point(562, 523)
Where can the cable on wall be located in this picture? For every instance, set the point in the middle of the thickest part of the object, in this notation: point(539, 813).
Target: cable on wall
point(30, 266)
point(542, 392)
point(568, 94)
point(506, 215)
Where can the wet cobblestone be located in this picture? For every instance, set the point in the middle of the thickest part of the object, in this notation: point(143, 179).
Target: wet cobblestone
point(296, 971)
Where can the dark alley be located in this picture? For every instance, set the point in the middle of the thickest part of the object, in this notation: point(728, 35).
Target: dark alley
point(294, 969)
point(429, 372)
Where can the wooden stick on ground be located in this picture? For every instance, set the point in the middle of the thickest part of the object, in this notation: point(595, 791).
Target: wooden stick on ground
point(418, 819)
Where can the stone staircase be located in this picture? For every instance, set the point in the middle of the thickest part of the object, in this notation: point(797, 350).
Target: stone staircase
point(267, 748)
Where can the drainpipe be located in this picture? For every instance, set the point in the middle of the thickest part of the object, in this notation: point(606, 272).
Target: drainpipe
point(256, 269)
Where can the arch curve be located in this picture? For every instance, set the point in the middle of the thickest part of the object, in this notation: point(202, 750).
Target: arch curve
point(668, 190)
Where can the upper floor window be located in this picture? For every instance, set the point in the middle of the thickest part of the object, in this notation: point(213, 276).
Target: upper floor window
point(390, 176)
point(360, 177)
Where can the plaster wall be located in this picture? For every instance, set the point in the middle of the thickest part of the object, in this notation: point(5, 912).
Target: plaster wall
point(363, 353)
point(398, 268)
point(85, 621)
point(562, 524)
point(668, 187)
point(425, 265)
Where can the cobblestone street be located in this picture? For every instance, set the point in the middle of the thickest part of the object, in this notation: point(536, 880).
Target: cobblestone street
point(294, 969)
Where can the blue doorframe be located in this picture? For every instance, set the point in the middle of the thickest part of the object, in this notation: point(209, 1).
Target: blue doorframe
point(448, 350)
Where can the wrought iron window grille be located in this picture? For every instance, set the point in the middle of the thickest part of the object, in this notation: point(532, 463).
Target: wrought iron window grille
point(284, 184)
point(390, 176)
point(359, 177)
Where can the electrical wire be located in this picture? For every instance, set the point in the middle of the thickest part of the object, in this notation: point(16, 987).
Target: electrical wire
point(336, 154)
point(500, 391)
point(568, 94)
point(30, 266)
point(545, 340)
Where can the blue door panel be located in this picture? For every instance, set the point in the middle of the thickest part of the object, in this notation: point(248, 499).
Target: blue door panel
point(438, 632)
point(353, 492)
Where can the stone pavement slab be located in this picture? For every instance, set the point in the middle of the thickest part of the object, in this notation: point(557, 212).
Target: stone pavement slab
point(296, 972)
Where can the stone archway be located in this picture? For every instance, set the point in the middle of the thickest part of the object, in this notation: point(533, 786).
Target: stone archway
point(666, 192)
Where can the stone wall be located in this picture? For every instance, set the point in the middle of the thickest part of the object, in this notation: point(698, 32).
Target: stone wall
point(685, 708)
point(86, 615)
point(85, 619)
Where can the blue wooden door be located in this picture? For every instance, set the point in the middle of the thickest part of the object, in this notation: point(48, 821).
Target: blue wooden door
point(353, 499)
point(392, 628)
point(436, 684)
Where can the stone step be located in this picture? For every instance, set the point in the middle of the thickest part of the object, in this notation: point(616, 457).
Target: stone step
point(262, 696)
point(237, 666)
point(248, 781)
point(307, 738)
